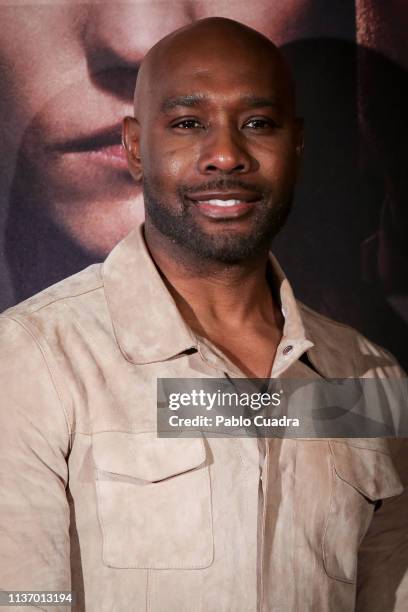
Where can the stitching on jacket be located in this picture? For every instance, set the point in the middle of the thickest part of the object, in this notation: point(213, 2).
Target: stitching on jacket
point(29, 331)
point(148, 607)
point(109, 307)
point(158, 566)
point(61, 298)
point(329, 514)
point(366, 448)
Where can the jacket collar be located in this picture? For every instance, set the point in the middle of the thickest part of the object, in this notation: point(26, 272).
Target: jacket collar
point(146, 321)
point(293, 327)
point(147, 324)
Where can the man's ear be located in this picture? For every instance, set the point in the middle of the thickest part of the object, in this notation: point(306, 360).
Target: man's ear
point(131, 143)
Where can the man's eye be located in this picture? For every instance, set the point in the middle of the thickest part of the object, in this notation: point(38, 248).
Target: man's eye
point(260, 124)
point(188, 124)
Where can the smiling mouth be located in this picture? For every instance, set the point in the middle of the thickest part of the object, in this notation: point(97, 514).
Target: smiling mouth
point(225, 205)
point(222, 203)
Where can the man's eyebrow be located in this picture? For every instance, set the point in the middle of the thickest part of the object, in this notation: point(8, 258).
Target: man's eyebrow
point(189, 101)
point(195, 100)
point(259, 101)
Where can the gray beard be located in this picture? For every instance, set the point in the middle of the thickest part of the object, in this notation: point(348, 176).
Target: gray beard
point(227, 248)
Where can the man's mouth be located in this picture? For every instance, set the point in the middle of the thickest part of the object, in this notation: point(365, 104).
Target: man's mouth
point(225, 205)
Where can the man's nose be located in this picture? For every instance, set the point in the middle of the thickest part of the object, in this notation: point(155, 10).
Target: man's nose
point(224, 151)
point(116, 37)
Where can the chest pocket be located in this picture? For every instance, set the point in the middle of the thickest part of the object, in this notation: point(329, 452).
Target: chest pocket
point(154, 501)
point(360, 477)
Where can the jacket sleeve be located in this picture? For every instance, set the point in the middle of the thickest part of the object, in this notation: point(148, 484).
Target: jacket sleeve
point(382, 574)
point(34, 512)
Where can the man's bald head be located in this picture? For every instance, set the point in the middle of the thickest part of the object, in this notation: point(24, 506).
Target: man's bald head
point(203, 41)
point(215, 141)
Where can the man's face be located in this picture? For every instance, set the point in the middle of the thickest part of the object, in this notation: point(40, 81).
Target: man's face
point(219, 149)
point(67, 76)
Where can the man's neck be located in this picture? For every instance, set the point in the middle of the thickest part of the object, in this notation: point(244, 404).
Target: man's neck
point(213, 297)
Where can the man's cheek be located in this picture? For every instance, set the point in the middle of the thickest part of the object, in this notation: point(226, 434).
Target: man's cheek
point(168, 170)
point(278, 171)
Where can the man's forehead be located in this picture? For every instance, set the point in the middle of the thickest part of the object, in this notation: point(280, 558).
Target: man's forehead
point(211, 60)
point(201, 62)
point(203, 84)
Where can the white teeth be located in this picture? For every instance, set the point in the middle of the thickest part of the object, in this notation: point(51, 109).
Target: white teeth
point(224, 203)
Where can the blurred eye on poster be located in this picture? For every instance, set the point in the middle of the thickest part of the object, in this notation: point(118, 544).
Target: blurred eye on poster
point(67, 74)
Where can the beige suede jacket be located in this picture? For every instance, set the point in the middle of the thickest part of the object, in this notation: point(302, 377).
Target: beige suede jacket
point(91, 500)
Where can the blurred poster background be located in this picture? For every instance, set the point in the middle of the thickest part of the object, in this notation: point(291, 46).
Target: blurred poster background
point(67, 73)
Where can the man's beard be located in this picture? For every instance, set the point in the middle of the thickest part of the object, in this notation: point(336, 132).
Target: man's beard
point(228, 247)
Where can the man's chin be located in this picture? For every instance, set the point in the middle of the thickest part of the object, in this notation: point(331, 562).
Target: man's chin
point(231, 242)
point(227, 247)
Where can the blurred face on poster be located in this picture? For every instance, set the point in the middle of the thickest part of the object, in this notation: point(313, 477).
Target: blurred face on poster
point(67, 77)
point(382, 69)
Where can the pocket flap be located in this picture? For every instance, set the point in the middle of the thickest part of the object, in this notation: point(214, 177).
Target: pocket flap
point(369, 471)
point(145, 456)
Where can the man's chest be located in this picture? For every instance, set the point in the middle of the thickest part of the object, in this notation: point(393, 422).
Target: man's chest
point(147, 504)
point(188, 511)
point(252, 353)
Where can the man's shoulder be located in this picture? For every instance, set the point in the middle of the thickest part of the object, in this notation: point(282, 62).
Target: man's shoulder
point(345, 351)
point(59, 301)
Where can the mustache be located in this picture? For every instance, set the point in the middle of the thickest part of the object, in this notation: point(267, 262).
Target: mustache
point(222, 184)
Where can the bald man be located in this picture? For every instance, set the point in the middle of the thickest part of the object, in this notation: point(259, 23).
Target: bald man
point(92, 499)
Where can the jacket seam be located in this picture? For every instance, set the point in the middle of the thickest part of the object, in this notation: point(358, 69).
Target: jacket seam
point(61, 298)
point(30, 332)
point(126, 356)
point(148, 591)
point(330, 573)
point(373, 450)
